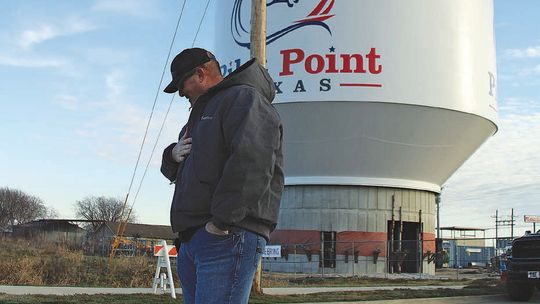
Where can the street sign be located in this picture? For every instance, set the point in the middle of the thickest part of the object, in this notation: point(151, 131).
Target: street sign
point(272, 251)
point(531, 218)
point(159, 250)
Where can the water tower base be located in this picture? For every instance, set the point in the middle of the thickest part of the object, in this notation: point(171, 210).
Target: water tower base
point(354, 230)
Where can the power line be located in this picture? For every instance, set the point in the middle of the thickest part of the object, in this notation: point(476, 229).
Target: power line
point(170, 103)
point(155, 100)
point(123, 222)
point(152, 111)
point(152, 153)
point(200, 23)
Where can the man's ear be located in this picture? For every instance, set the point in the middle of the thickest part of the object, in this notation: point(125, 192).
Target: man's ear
point(200, 74)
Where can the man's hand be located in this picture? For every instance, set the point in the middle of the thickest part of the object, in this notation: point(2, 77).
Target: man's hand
point(182, 149)
point(212, 229)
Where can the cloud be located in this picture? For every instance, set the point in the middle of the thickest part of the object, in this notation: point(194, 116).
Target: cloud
point(67, 102)
point(503, 173)
point(17, 49)
point(106, 56)
point(522, 107)
point(30, 37)
point(530, 52)
point(44, 32)
point(529, 71)
point(31, 62)
point(115, 128)
point(125, 7)
point(114, 84)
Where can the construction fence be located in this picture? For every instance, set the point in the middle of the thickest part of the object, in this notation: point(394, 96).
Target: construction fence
point(358, 258)
point(387, 257)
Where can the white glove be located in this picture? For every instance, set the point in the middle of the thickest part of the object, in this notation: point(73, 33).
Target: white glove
point(181, 149)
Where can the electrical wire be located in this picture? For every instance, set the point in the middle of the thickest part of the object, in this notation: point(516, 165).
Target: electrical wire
point(153, 107)
point(170, 103)
point(123, 221)
point(152, 153)
point(200, 23)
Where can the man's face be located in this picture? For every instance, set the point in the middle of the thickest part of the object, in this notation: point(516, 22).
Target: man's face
point(192, 86)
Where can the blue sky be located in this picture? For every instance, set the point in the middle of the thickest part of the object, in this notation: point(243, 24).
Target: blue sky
point(78, 80)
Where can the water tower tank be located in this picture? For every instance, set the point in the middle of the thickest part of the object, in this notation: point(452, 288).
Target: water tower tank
point(381, 101)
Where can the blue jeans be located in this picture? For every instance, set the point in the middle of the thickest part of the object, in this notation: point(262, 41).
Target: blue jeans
point(219, 269)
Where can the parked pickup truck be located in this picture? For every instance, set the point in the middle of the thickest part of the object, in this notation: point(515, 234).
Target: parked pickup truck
point(523, 267)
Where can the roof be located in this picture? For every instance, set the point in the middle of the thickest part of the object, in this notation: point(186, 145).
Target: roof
point(143, 230)
point(457, 228)
point(69, 220)
point(47, 223)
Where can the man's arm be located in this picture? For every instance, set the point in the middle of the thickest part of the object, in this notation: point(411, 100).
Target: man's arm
point(168, 166)
point(252, 130)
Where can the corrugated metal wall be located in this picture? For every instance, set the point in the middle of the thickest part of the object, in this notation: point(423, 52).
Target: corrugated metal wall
point(348, 209)
point(352, 208)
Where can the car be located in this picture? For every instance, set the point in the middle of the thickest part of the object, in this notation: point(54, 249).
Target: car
point(523, 267)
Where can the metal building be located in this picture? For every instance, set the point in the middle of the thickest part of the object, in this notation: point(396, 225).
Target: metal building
point(381, 102)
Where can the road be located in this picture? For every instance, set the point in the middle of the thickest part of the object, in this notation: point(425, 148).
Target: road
point(64, 291)
point(20, 290)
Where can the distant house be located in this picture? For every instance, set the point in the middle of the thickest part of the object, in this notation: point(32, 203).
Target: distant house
point(54, 230)
point(137, 238)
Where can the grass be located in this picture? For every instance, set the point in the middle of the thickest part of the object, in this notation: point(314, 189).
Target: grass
point(100, 298)
point(34, 263)
point(38, 263)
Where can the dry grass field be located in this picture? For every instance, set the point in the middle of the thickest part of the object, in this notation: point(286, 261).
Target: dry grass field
point(35, 263)
point(38, 263)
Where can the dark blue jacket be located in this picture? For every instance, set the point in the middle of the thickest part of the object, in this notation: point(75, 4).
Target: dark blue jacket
point(234, 173)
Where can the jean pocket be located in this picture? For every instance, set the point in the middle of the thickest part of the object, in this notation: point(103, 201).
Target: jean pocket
point(217, 236)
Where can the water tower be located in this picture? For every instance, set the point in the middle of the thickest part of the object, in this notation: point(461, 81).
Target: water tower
point(381, 101)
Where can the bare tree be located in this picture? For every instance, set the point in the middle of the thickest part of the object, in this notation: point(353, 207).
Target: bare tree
point(17, 207)
point(52, 213)
point(101, 208)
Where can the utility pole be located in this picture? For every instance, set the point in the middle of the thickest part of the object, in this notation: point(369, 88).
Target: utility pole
point(512, 224)
point(258, 31)
point(504, 223)
point(258, 51)
point(496, 228)
point(438, 203)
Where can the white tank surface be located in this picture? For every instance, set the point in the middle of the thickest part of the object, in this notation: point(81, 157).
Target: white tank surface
point(375, 92)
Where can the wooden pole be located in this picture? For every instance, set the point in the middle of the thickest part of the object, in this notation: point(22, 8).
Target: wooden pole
point(258, 50)
point(258, 31)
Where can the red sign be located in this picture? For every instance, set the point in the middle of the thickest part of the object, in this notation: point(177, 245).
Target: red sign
point(531, 218)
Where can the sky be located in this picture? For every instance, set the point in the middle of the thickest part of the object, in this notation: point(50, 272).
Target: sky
point(79, 79)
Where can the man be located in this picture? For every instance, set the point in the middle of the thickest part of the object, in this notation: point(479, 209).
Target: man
point(228, 172)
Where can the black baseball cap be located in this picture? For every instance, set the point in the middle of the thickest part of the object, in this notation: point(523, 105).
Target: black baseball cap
point(184, 63)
